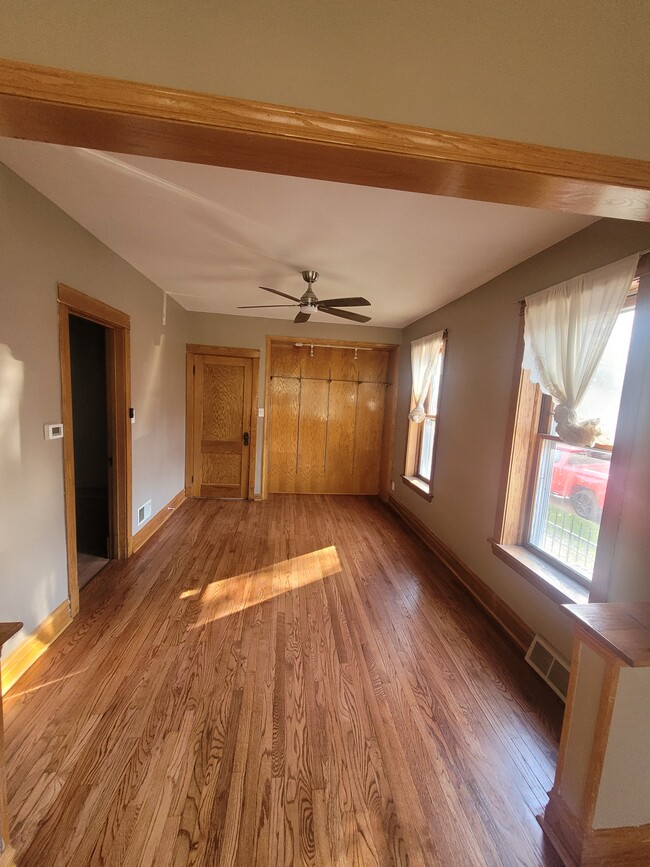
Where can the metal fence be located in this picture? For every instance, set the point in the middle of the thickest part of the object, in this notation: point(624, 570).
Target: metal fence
point(571, 539)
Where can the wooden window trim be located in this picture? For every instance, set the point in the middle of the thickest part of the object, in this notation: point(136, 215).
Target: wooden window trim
point(419, 486)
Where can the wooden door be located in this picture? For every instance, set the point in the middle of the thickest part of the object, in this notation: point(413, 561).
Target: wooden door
point(222, 426)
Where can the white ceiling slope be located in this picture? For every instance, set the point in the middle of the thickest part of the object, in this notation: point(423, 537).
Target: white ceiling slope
point(210, 236)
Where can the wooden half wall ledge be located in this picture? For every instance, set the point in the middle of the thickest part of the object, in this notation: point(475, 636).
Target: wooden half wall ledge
point(156, 522)
point(620, 633)
point(491, 603)
point(16, 663)
point(605, 847)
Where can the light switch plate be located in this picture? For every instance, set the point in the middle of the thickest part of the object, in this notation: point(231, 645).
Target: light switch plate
point(260, 412)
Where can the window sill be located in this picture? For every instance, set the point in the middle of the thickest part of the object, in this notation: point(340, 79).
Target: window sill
point(551, 581)
point(418, 486)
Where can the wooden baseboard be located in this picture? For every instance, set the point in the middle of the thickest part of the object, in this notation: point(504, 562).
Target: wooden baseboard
point(16, 663)
point(519, 631)
point(563, 830)
point(155, 523)
point(605, 847)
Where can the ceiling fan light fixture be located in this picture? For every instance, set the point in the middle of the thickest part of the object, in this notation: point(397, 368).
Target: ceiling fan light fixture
point(309, 302)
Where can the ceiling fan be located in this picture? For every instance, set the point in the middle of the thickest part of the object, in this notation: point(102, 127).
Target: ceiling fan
point(308, 302)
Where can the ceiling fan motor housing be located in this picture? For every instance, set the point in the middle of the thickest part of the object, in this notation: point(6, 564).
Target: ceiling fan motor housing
point(309, 299)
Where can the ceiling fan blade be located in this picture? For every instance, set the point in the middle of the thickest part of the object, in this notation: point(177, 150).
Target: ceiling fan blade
point(277, 292)
point(302, 317)
point(345, 302)
point(257, 306)
point(344, 314)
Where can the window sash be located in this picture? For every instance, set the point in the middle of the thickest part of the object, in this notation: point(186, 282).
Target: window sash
point(425, 449)
point(537, 522)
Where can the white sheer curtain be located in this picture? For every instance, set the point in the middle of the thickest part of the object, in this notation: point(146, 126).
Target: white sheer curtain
point(425, 358)
point(566, 330)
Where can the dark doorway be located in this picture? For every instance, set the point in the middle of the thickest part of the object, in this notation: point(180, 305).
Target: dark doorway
point(91, 452)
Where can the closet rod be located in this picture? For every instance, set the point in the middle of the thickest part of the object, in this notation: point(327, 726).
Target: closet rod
point(355, 349)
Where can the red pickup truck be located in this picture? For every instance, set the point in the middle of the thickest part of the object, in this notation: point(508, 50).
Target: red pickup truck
point(581, 477)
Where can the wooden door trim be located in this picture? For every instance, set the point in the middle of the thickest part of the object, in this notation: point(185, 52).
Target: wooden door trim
point(194, 349)
point(267, 414)
point(83, 110)
point(390, 416)
point(73, 302)
point(228, 351)
point(390, 406)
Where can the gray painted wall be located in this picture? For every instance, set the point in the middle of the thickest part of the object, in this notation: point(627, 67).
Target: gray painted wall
point(41, 246)
point(474, 406)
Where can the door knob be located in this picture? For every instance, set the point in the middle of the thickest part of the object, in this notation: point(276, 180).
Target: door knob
point(246, 438)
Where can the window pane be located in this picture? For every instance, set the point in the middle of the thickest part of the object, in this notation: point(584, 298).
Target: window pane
point(603, 396)
point(426, 448)
point(431, 402)
point(569, 497)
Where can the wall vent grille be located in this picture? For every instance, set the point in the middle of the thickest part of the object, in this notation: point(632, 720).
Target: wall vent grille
point(144, 512)
point(550, 665)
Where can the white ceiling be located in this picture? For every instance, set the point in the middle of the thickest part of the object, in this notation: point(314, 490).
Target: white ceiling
point(210, 236)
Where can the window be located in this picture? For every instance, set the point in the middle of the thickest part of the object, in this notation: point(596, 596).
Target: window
point(553, 491)
point(423, 419)
point(566, 497)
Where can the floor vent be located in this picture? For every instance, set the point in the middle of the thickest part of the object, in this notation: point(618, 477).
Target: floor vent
point(548, 663)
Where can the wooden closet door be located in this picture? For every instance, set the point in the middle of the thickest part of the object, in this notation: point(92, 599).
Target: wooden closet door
point(326, 419)
point(222, 426)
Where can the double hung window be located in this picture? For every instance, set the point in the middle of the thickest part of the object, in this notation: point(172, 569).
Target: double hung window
point(569, 483)
point(574, 352)
point(427, 362)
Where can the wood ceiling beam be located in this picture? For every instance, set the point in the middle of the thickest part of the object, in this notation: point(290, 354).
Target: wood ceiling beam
point(82, 110)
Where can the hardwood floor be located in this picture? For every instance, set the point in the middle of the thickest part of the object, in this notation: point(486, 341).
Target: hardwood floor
point(290, 682)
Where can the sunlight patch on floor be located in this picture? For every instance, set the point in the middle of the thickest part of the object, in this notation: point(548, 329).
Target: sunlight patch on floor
point(230, 595)
point(39, 686)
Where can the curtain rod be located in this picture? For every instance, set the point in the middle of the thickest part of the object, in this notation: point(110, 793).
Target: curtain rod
point(642, 269)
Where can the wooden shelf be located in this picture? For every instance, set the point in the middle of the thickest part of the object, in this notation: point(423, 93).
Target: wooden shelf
point(621, 629)
point(8, 630)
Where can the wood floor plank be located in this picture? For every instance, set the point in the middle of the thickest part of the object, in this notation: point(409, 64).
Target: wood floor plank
point(294, 682)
